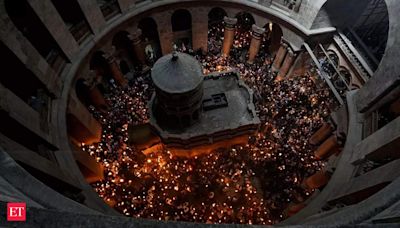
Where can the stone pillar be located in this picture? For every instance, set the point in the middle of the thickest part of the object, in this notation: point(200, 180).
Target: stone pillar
point(297, 5)
point(163, 20)
point(115, 71)
point(327, 148)
point(93, 15)
point(200, 29)
point(317, 180)
point(48, 14)
point(287, 64)
point(138, 48)
point(280, 56)
point(257, 35)
point(229, 35)
point(321, 134)
point(126, 5)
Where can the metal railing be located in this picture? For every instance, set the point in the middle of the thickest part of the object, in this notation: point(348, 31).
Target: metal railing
point(353, 56)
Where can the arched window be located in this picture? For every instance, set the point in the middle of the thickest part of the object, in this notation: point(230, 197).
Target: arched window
point(150, 37)
point(273, 34)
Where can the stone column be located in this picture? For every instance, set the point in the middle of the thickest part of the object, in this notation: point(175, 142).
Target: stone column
point(48, 14)
point(287, 64)
point(138, 48)
point(256, 37)
point(200, 29)
point(317, 180)
point(115, 71)
point(321, 134)
point(163, 20)
point(327, 148)
point(296, 7)
point(126, 5)
point(229, 35)
point(93, 15)
point(280, 56)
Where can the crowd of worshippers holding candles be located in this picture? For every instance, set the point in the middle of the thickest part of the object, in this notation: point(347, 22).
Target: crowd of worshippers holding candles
point(248, 184)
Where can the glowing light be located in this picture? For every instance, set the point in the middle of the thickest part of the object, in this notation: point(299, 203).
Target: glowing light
point(160, 186)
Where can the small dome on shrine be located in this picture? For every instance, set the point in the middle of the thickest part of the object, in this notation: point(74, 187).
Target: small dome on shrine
point(177, 73)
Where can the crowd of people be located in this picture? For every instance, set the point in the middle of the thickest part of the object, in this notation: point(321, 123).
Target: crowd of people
point(250, 184)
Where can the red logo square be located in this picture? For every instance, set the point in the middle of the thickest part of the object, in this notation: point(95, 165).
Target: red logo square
point(16, 211)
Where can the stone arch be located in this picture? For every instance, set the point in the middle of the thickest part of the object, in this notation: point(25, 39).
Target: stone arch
point(334, 57)
point(346, 74)
point(216, 15)
point(355, 86)
point(150, 38)
point(215, 27)
point(338, 82)
point(124, 66)
point(245, 21)
point(89, 93)
point(121, 40)
point(274, 34)
point(181, 20)
point(124, 48)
